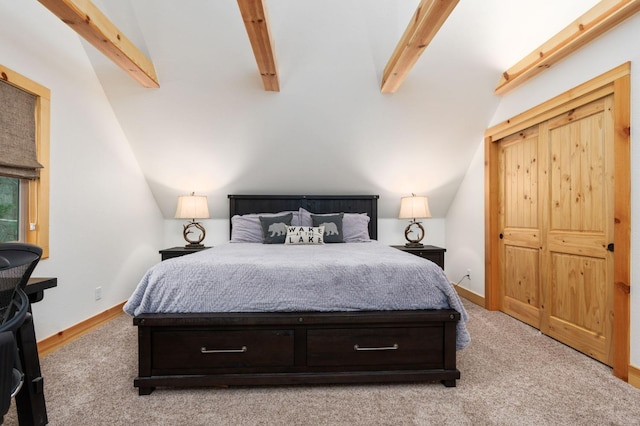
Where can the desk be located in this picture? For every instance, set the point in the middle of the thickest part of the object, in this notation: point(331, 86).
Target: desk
point(30, 404)
point(36, 287)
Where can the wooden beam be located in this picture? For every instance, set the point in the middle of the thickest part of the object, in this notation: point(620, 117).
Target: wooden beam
point(595, 22)
point(88, 21)
point(255, 19)
point(429, 17)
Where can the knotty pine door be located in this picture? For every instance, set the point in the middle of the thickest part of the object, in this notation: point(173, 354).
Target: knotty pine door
point(556, 221)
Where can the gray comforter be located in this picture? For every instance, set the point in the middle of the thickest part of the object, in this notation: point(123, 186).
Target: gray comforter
point(247, 277)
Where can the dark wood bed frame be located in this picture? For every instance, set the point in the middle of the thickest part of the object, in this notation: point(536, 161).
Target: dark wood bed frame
point(224, 349)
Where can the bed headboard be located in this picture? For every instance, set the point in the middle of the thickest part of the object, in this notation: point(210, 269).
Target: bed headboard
point(246, 204)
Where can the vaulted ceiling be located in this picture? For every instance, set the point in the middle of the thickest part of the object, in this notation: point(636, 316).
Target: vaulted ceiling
point(386, 96)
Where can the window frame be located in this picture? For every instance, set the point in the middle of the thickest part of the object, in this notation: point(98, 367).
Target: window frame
point(37, 193)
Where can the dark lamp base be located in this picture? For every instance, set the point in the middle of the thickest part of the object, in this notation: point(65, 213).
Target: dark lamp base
point(194, 243)
point(414, 245)
point(414, 242)
point(194, 246)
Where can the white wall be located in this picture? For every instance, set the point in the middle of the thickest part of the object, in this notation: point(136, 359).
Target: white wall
point(614, 48)
point(105, 225)
point(465, 228)
point(212, 129)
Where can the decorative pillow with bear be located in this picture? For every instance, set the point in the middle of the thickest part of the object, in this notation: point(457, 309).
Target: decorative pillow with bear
point(332, 226)
point(305, 235)
point(274, 229)
point(355, 226)
point(248, 229)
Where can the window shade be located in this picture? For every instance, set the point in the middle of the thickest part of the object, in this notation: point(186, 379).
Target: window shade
point(18, 157)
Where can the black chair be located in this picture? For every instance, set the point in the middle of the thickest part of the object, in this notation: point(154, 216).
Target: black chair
point(17, 262)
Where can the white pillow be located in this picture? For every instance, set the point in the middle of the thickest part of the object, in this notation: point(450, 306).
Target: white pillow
point(304, 235)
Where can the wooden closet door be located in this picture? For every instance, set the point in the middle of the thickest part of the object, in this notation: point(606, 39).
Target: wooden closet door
point(577, 267)
point(556, 221)
point(584, 183)
point(520, 238)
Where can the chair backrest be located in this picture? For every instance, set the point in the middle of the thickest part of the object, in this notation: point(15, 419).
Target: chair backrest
point(17, 262)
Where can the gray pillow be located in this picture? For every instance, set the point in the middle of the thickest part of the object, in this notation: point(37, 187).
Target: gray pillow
point(332, 226)
point(355, 226)
point(305, 217)
point(247, 228)
point(274, 229)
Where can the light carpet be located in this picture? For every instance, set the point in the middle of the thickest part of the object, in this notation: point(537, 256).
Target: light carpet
point(511, 375)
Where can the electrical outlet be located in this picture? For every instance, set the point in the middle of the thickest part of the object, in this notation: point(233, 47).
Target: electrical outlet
point(98, 293)
point(469, 274)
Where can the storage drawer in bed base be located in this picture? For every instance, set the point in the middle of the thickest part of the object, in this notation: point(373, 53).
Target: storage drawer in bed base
point(299, 348)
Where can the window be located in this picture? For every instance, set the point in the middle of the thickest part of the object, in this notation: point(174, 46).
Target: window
point(10, 210)
point(24, 202)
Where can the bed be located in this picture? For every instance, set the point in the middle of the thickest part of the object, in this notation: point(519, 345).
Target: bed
point(193, 341)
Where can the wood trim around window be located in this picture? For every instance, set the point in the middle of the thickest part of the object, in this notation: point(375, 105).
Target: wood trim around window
point(38, 193)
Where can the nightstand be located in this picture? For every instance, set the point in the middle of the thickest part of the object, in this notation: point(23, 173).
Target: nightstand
point(178, 251)
point(432, 253)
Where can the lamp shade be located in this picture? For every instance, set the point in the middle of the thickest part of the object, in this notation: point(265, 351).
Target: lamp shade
point(414, 208)
point(192, 207)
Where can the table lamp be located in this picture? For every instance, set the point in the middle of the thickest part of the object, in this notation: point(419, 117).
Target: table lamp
point(413, 208)
point(193, 207)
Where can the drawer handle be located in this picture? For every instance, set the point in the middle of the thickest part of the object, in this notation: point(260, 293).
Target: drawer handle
point(380, 348)
point(204, 350)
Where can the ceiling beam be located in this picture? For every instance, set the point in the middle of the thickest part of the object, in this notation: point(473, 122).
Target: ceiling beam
point(595, 22)
point(254, 15)
point(89, 22)
point(429, 17)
